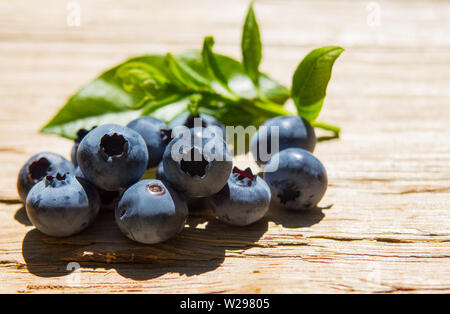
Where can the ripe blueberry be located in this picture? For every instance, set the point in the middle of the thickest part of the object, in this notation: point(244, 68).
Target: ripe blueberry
point(188, 120)
point(294, 131)
point(299, 182)
point(112, 157)
point(62, 205)
point(37, 168)
point(244, 200)
point(201, 163)
point(150, 212)
point(155, 134)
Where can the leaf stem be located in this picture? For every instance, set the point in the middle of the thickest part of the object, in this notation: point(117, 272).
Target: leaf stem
point(327, 127)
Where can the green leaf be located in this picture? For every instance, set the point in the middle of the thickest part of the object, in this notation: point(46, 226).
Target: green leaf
point(139, 78)
point(238, 81)
point(272, 90)
point(210, 62)
point(310, 81)
point(186, 76)
point(240, 85)
point(251, 46)
point(155, 105)
point(172, 109)
point(108, 100)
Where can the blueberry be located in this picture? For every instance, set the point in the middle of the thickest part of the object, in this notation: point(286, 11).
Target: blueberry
point(150, 212)
point(299, 182)
point(112, 157)
point(156, 137)
point(187, 119)
point(62, 205)
point(294, 131)
point(244, 200)
point(37, 168)
point(80, 135)
point(108, 199)
point(201, 163)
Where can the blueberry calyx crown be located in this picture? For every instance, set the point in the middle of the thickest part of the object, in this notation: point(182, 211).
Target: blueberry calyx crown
point(57, 180)
point(245, 177)
point(155, 189)
point(288, 194)
point(38, 169)
point(194, 163)
point(113, 146)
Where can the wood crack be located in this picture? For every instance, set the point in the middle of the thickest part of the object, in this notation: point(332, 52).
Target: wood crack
point(378, 239)
point(419, 190)
point(9, 201)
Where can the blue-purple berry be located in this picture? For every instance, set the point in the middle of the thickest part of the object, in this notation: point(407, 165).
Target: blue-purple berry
point(244, 200)
point(150, 212)
point(299, 181)
point(112, 157)
point(62, 205)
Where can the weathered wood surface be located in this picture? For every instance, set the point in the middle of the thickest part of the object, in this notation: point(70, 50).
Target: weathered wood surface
point(388, 229)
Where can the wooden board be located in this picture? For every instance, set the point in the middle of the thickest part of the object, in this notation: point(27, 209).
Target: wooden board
point(388, 228)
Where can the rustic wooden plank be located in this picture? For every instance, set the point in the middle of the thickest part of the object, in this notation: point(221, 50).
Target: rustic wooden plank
point(388, 229)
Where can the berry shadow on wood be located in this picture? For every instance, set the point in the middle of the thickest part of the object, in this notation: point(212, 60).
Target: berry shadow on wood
point(199, 248)
point(21, 217)
point(294, 219)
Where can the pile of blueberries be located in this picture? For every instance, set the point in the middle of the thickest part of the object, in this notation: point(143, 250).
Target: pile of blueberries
point(108, 162)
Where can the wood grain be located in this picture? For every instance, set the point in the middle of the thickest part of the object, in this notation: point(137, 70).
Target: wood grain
point(388, 227)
